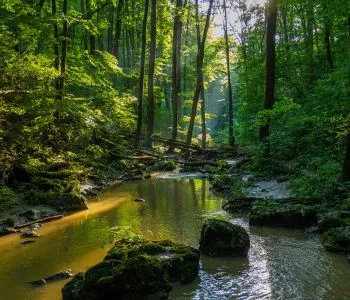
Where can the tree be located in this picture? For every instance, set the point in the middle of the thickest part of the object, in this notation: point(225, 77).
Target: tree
point(118, 27)
point(231, 138)
point(346, 164)
point(270, 66)
point(64, 50)
point(176, 68)
point(151, 67)
point(199, 74)
point(141, 76)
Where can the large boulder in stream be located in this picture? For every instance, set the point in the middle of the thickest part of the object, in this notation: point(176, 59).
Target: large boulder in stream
point(136, 269)
point(221, 238)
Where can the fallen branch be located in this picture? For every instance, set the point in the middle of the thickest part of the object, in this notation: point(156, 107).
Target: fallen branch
point(201, 163)
point(238, 163)
point(44, 220)
point(126, 157)
point(175, 143)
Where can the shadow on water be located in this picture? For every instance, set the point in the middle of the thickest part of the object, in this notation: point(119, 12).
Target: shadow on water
point(282, 264)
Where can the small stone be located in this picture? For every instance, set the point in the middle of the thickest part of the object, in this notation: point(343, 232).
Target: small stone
point(35, 226)
point(140, 200)
point(30, 234)
point(27, 242)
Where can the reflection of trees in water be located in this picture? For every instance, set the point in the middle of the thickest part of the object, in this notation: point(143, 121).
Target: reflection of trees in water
point(178, 212)
point(193, 191)
point(204, 192)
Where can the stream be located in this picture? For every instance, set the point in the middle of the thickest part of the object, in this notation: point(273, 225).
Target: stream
point(281, 264)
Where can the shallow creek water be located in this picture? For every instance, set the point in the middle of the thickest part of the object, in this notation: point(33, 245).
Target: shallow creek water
point(282, 264)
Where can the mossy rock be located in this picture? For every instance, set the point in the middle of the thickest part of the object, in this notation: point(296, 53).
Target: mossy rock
point(278, 214)
point(136, 269)
point(221, 238)
point(331, 220)
point(222, 183)
point(59, 200)
point(165, 165)
point(337, 239)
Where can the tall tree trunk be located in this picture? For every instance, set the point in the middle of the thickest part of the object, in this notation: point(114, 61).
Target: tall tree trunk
point(55, 35)
point(199, 74)
point(141, 77)
point(203, 120)
point(270, 66)
point(152, 59)
point(83, 8)
point(202, 94)
point(64, 49)
point(346, 165)
point(184, 77)
point(327, 37)
point(118, 27)
point(176, 69)
point(100, 39)
point(310, 39)
point(92, 37)
point(231, 137)
point(110, 30)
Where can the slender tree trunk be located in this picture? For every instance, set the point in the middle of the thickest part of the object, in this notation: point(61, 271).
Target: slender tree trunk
point(55, 35)
point(118, 27)
point(151, 67)
point(184, 77)
point(199, 75)
point(64, 49)
point(141, 77)
point(92, 37)
point(202, 94)
point(100, 39)
point(85, 42)
point(231, 137)
point(327, 38)
point(176, 69)
point(203, 120)
point(346, 165)
point(110, 30)
point(310, 39)
point(270, 65)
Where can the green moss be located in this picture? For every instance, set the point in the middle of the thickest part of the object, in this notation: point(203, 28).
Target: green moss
point(283, 214)
point(7, 197)
point(337, 239)
point(136, 269)
point(221, 238)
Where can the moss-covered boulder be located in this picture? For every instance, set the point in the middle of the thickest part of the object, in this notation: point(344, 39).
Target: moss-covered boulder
point(276, 213)
point(221, 238)
point(337, 239)
point(136, 269)
point(331, 220)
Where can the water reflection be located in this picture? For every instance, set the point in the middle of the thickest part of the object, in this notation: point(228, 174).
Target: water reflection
point(282, 264)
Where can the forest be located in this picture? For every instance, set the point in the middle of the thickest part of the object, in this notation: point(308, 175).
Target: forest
point(243, 92)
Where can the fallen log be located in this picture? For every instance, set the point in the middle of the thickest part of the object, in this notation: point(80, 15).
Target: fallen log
point(44, 220)
point(238, 163)
point(148, 153)
point(200, 163)
point(175, 143)
point(55, 277)
point(126, 157)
